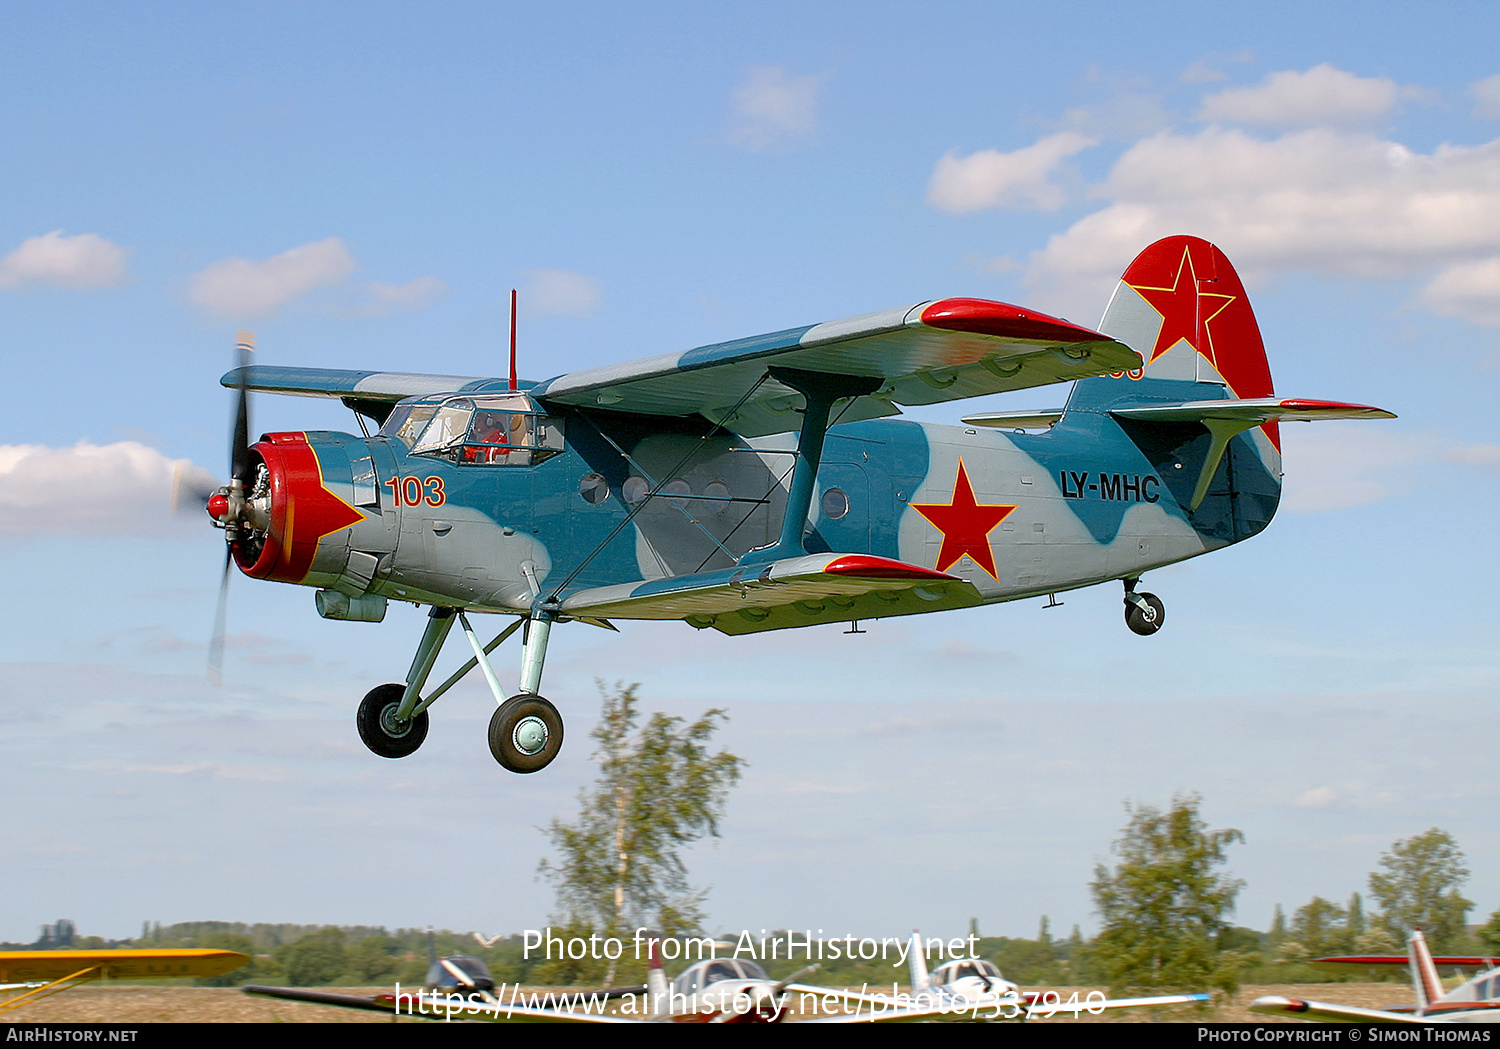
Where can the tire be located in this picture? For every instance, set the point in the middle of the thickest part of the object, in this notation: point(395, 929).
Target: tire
point(378, 729)
point(1145, 621)
point(526, 732)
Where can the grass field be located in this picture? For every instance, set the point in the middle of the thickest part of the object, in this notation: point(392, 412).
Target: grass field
point(100, 1003)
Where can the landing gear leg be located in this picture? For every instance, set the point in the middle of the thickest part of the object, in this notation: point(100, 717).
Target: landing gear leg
point(388, 720)
point(526, 732)
point(1144, 613)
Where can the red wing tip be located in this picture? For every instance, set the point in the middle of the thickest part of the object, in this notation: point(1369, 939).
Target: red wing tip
point(870, 567)
point(984, 317)
point(1307, 405)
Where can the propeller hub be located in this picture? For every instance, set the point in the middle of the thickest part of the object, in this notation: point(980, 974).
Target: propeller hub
point(218, 507)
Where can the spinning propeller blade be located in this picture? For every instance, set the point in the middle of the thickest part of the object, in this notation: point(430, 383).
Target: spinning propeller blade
point(234, 515)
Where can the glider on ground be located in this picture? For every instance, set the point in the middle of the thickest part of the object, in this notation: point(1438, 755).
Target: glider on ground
point(1475, 1001)
point(48, 972)
point(763, 484)
point(723, 990)
point(973, 989)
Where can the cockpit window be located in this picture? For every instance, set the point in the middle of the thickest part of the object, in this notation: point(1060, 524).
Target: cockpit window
point(406, 421)
point(752, 971)
point(506, 429)
point(447, 429)
point(717, 971)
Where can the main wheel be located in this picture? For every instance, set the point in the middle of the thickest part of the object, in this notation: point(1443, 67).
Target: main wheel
point(378, 726)
point(1145, 621)
point(526, 732)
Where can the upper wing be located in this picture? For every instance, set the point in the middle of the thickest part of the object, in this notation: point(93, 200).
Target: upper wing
point(389, 387)
point(930, 352)
point(922, 354)
point(1327, 1012)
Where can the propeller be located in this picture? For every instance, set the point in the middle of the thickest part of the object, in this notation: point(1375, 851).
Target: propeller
point(228, 505)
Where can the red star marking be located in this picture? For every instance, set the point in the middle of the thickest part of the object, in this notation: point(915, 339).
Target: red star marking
point(965, 524)
point(1180, 307)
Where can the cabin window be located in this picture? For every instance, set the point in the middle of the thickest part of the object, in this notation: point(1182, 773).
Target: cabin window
point(835, 504)
point(505, 429)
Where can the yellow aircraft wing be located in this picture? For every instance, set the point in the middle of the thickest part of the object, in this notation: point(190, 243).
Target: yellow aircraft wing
point(64, 969)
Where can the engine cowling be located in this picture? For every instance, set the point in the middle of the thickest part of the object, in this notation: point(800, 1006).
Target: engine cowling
point(288, 510)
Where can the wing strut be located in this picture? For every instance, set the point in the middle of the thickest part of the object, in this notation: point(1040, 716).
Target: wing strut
point(821, 390)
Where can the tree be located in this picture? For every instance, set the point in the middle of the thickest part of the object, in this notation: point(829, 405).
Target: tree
point(659, 788)
point(1165, 904)
point(1418, 888)
point(1319, 929)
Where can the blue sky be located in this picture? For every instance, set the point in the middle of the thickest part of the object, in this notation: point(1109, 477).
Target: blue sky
point(363, 184)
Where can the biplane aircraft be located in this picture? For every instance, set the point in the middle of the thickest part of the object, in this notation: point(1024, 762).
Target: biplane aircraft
point(763, 484)
point(1476, 1000)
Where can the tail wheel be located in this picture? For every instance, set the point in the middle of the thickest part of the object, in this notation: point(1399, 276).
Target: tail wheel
point(1145, 618)
point(526, 733)
point(379, 728)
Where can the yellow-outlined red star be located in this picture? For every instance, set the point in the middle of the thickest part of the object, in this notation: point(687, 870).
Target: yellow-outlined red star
point(1179, 308)
point(966, 524)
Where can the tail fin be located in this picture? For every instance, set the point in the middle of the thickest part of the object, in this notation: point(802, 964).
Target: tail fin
point(920, 980)
point(1182, 307)
point(656, 979)
point(1424, 975)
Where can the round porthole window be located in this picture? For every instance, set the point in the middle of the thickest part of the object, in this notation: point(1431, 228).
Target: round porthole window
point(835, 504)
point(594, 488)
point(634, 490)
point(679, 492)
point(718, 494)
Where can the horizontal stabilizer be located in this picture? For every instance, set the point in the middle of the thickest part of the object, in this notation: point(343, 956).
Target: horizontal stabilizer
point(1328, 1012)
point(754, 591)
point(1227, 418)
point(1252, 412)
point(1365, 961)
point(1016, 420)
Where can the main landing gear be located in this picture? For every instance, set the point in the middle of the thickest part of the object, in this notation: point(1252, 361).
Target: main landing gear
point(526, 732)
point(1144, 613)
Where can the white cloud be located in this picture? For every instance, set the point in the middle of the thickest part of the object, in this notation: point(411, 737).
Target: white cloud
point(386, 299)
point(1322, 95)
point(122, 488)
point(990, 179)
point(561, 291)
point(1206, 69)
point(773, 107)
point(86, 260)
point(1486, 95)
point(1470, 290)
point(1337, 202)
point(1473, 454)
point(1318, 798)
point(242, 288)
point(1335, 466)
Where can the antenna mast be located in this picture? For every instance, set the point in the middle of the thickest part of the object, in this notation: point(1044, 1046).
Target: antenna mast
point(512, 338)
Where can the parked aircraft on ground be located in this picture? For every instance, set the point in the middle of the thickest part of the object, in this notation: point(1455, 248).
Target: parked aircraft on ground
point(722, 990)
point(1475, 1001)
point(970, 989)
point(46, 973)
point(673, 488)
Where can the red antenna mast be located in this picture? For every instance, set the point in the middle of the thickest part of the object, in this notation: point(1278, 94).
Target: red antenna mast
point(512, 338)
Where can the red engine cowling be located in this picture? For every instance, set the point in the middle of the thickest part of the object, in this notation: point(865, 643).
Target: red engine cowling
point(289, 510)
